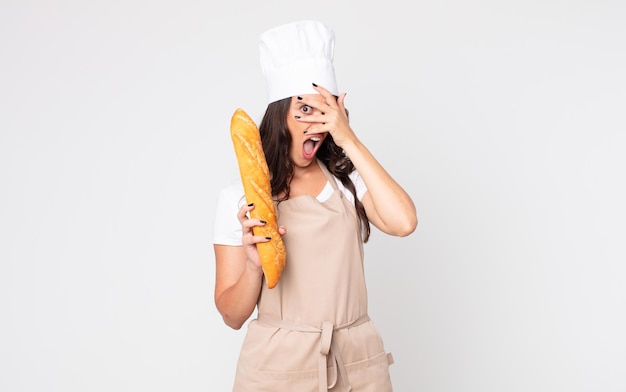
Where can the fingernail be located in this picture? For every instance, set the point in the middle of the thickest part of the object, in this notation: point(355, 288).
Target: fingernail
point(262, 221)
point(314, 85)
point(299, 97)
point(250, 205)
point(296, 117)
point(268, 238)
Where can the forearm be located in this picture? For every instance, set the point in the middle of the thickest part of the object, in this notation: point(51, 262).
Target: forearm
point(394, 208)
point(238, 284)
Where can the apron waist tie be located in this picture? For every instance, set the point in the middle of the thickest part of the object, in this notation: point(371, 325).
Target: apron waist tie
point(328, 347)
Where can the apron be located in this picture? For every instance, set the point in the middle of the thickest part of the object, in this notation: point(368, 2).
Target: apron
point(313, 333)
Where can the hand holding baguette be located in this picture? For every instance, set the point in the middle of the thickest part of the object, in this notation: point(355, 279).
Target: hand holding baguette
point(255, 177)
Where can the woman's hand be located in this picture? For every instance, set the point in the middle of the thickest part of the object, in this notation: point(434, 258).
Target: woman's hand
point(388, 206)
point(248, 239)
point(238, 272)
point(330, 116)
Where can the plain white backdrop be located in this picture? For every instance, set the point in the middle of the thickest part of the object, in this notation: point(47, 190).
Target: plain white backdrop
point(504, 121)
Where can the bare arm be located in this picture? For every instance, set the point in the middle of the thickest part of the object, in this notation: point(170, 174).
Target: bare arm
point(388, 206)
point(239, 276)
point(237, 284)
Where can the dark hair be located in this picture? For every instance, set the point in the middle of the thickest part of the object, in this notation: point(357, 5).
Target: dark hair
point(276, 140)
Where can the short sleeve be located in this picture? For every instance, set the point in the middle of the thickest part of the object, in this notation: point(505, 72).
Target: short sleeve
point(359, 184)
point(226, 227)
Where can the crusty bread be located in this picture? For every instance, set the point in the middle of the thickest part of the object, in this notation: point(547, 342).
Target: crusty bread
point(255, 176)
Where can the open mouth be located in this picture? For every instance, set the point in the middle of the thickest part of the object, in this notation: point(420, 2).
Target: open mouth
point(310, 146)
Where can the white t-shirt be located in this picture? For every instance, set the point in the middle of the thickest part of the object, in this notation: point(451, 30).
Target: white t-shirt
point(226, 227)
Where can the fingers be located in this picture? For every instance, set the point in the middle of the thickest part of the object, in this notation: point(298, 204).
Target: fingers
point(242, 214)
point(245, 220)
point(330, 100)
point(248, 237)
point(331, 105)
point(340, 102)
point(248, 223)
point(330, 115)
point(328, 96)
point(254, 239)
point(251, 239)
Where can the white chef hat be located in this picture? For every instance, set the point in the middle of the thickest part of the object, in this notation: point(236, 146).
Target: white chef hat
point(295, 55)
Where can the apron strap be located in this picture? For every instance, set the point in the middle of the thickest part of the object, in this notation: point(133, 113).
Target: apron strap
point(328, 347)
point(329, 176)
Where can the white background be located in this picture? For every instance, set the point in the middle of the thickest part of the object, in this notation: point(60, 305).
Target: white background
point(505, 121)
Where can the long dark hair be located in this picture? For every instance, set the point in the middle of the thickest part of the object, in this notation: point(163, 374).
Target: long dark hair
point(276, 140)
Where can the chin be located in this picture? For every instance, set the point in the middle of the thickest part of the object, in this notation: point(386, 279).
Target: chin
point(304, 162)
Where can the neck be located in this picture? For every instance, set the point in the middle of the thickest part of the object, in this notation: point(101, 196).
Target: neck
point(307, 180)
point(300, 172)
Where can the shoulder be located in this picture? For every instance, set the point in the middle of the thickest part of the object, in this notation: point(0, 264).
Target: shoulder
point(232, 192)
point(359, 185)
point(226, 227)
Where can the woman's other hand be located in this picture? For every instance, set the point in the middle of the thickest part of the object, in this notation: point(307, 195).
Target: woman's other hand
point(248, 239)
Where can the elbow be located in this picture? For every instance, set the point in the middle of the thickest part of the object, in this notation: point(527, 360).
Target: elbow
point(408, 227)
point(234, 321)
point(234, 324)
point(400, 228)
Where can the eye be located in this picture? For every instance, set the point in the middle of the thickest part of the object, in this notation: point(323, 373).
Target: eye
point(306, 109)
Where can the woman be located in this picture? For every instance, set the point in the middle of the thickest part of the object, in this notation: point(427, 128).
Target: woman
point(312, 332)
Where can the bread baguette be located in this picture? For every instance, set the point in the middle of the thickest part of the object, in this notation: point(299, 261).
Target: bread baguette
point(255, 176)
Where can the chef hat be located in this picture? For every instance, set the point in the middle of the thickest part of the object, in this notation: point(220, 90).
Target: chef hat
point(295, 55)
